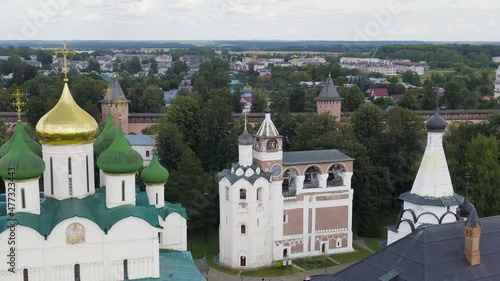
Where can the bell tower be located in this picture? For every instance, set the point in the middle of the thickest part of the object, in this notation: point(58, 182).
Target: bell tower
point(268, 146)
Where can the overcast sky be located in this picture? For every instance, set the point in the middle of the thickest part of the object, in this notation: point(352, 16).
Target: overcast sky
point(432, 20)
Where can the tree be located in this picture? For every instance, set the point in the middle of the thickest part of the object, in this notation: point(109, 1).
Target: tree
point(153, 68)
point(93, 66)
point(259, 102)
point(297, 98)
point(171, 144)
point(482, 161)
point(183, 111)
point(411, 77)
point(353, 98)
point(367, 124)
point(152, 101)
point(192, 187)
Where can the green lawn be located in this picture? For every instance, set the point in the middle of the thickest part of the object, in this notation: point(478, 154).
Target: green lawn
point(373, 243)
point(210, 250)
point(358, 254)
point(271, 272)
point(313, 262)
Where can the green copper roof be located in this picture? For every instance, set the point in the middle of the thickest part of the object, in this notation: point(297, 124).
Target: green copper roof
point(172, 208)
point(33, 145)
point(91, 207)
point(21, 159)
point(107, 136)
point(154, 173)
point(120, 157)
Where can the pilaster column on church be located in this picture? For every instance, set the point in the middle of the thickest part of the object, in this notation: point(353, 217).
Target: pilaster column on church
point(102, 178)
point(322, 180)
point(299, 183)
point(347, 176)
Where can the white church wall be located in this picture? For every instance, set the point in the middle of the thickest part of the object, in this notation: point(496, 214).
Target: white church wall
point(31, 196)
point(114, 186)
point(174, 232)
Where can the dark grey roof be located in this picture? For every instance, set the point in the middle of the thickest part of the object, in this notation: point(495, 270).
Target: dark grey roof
point(329, 91)
point(245, 138)
point(431, 253)
point(251, 179)
point(436, 123)
point(314, 156)
point(116, 93)
point(454, 200)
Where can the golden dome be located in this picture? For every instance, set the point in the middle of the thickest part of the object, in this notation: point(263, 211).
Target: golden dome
point(67, 123)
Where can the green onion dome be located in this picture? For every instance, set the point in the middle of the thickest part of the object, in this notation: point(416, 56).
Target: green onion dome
point(33, 145)
point(21, 161)
point(120, 157)
point(107, 136)
point(154, 173)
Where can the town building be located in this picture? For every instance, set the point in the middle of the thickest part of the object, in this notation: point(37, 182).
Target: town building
point(277, 205)
point(431, 199)
point(497, 83)
point(77, 229)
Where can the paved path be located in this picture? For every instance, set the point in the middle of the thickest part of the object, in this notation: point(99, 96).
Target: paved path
point(214, 275)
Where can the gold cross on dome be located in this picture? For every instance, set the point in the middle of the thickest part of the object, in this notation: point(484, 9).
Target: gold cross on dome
point(18, 102)
point(64, 51)
point(155, 141)
point(120, 103)
point(108, 94)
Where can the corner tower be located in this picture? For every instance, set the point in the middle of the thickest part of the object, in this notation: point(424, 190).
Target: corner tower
point(329, 100)
point(117, 104)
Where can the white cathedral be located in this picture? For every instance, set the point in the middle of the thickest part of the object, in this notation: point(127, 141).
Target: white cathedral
point(431, 199)
point(277, 205)
point(73, 230)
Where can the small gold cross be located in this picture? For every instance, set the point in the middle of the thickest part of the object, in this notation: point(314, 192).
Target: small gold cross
point(18, 102)
point(64, 51)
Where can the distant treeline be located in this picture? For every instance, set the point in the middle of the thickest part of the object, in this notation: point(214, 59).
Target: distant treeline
point(443, 56)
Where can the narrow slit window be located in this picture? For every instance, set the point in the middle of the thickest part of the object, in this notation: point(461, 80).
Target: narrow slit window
point(87, 165)
point(125, 269)
point(123, 190)
point(51, 178)
point(156, 198)
point(25, 274)
point(70, 178)
point(23, 198)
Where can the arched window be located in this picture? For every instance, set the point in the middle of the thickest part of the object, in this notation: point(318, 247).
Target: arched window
point(339, 242)
point(323, 248)
point(23, 199)
point(311, 179)
point(285, 253)
point(335, 174)
point(77, 272)
point(243, 229)
point(289, 179)
point(272, 144)
point(243, 261)
point(123, 190)
point(125, 269)
point(259, 194)
point(70, 179)
point(25, 274)
point(87, 167)
point(159, 237)
point(243, 193)
point(227, 193)
point(51, 178)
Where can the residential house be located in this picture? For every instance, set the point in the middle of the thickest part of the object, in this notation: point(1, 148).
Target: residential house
point(378, 92)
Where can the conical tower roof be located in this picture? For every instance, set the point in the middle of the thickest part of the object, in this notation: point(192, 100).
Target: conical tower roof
point(267, 128)
point(154, 173)
point(67, 123)
point(107, 136)
point(329, 91)
point(116, 93)
point(33, 145)
point(21, 162)
point(120, 157)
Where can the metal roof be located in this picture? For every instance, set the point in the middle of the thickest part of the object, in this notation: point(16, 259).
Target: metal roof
point(329, 91)
point(431, 253)
point(314, 156)
point(454, 200)
point(140, 140)
point(178, 266)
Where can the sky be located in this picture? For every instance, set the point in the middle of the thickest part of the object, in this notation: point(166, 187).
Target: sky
point(352, 20)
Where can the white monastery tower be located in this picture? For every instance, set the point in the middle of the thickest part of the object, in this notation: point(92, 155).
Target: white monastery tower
point(431, 199)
